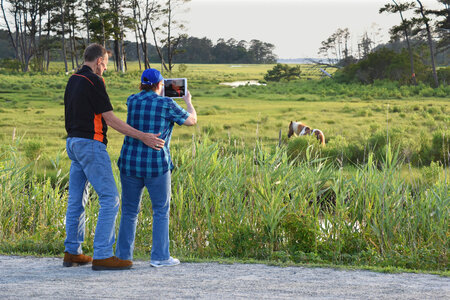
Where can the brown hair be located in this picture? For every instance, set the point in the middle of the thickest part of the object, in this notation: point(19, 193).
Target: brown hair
point(148, 87)
point(94, 51)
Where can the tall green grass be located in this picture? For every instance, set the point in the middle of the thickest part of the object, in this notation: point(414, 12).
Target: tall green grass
point(32, 210)
point(258, 204)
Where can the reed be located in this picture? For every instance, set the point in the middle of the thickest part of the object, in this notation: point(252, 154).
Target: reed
point(258, 204)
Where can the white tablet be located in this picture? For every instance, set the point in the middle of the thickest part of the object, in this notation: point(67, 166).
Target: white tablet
point(175, 87)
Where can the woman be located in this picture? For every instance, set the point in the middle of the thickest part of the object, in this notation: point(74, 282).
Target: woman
point(140, 166)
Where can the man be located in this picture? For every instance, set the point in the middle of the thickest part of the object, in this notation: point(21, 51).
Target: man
point(88, 112)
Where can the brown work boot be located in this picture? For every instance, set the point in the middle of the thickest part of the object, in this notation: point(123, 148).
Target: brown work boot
point(75, 260)
point(111, 263)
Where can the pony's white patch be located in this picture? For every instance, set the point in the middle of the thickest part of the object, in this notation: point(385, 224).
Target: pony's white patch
point(295, 126)
point(303, 131)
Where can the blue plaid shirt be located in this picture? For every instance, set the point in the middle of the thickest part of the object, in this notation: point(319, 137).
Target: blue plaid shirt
point(149, 112)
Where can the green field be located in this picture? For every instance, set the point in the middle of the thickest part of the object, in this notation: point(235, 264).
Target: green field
point(236, 193)
point(32, 104)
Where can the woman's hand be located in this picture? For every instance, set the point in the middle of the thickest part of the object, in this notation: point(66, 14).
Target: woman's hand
point(187, 98)
point(192, 119)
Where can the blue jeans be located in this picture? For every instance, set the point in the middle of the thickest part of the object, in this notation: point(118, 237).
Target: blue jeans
point(159, 191)
point(90, 162)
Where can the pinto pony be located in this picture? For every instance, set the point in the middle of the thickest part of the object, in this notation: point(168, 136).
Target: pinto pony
point(298, 129)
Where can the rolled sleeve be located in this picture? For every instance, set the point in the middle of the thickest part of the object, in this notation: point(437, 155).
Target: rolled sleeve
point(177, 114)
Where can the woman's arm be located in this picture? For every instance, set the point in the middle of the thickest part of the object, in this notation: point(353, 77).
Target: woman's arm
point(192, 119)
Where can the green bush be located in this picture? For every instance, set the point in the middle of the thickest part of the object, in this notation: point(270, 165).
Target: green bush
point(338, 148)
point(246, 242)
point(383, 64)
point(303, 148)
point(399, 141)
point(10, 64)
point(300, 233)
point(444, 75)
point(426, 92)
point(283, 72)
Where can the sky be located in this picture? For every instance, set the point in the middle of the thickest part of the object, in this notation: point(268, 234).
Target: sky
point(295, 27)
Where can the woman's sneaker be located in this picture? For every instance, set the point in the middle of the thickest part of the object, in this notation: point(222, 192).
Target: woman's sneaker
point(165, 263)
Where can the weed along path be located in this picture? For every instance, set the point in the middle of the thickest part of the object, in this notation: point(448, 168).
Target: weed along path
point(31, 277)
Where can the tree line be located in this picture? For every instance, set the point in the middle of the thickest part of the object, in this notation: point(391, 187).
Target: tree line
point(40, 31)
point(430, 27)
point(202, 50)
point(189, 50)
point(36, 27)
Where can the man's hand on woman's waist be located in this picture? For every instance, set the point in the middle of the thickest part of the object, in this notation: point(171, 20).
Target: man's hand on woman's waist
point(150, 139)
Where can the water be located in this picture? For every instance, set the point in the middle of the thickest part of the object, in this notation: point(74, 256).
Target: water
point(239, 83)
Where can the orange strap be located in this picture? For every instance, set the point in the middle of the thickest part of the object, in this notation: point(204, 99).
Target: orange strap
point(84, 77)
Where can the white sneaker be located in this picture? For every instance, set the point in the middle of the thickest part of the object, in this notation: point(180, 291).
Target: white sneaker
point(165, 263)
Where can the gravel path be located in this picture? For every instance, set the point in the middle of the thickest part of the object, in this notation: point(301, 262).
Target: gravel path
point(31, 277)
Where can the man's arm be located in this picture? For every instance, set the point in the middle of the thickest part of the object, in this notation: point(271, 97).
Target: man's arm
point(192, 119)
point(149, 139)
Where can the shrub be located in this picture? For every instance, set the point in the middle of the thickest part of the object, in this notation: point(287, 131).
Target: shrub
point(300, 233)
point(337, 148)
point(10, 64)
point(303, 148)
point(248, 243)
point(282, 72)
point(383, 64)
point(444, 75)
point(426, 92)
point(398, 141)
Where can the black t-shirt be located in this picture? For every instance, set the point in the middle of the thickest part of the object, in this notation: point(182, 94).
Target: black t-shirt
point(85, 100)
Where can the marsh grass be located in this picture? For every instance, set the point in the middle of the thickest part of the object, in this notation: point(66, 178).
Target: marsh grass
point(35, 109)
point(258, 204)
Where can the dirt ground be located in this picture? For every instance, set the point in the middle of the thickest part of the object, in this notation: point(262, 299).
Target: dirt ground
point(31, 277)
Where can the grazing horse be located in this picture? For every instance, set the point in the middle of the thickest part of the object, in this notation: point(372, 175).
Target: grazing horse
point(298, 128)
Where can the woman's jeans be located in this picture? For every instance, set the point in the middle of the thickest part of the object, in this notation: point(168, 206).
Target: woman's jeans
point(159, 191)
point(90, 163)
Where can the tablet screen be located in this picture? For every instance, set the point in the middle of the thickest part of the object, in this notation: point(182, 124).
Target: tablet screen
point(175, 87)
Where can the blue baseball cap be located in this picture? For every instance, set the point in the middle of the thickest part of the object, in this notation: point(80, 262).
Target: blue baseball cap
point(151, 76)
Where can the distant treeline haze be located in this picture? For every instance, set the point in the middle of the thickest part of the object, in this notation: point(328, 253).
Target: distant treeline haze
point(38, 32)
point(190, 50)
